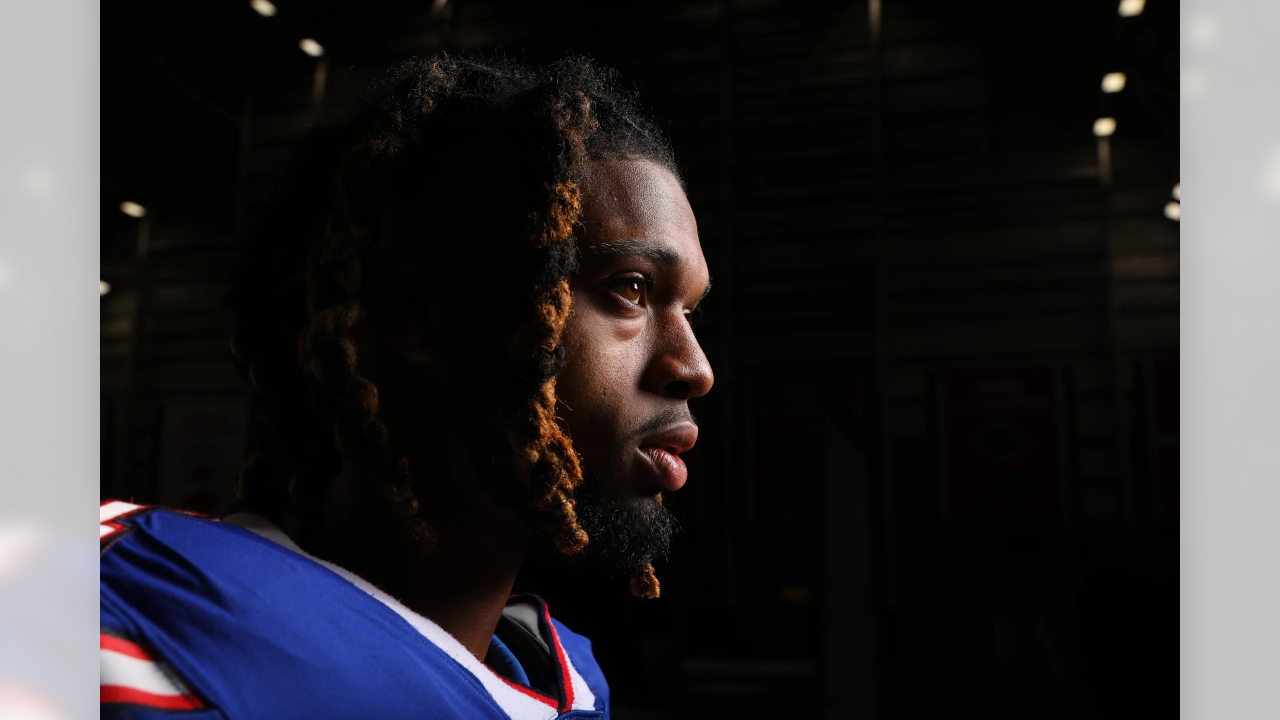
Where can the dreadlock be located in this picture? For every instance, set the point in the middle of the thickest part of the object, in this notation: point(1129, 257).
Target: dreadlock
point(443, 150)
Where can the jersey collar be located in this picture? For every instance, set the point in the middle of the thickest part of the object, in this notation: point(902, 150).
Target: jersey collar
point(518, 701)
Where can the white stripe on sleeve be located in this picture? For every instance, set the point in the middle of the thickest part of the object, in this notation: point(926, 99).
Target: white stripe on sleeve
point(121, 670)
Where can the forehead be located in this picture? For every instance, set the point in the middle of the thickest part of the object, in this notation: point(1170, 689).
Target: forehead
point(625, 199)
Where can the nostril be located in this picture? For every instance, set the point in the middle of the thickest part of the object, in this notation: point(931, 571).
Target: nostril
point(679, 389)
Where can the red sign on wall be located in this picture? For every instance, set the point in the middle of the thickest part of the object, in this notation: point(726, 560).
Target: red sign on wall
point(1002, 447)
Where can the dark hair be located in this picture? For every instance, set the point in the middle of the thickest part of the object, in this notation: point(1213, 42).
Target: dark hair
point(442, 151)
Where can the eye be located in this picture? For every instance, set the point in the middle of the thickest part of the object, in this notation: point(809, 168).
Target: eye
point(632, 289)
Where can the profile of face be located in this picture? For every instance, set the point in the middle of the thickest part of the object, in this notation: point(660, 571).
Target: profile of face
point(633, 361)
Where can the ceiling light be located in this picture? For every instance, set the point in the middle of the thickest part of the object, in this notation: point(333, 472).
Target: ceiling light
point(1104, 127)
point(263, 7)
point(1173, 211)
point(104, 287)
point(1177, 191)
point(1113, 82)
point(311, 47)
point(1129, 8)
point(132, 209)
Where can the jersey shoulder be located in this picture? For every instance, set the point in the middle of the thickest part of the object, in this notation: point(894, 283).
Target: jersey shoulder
point(173, 551)
point(210, 615)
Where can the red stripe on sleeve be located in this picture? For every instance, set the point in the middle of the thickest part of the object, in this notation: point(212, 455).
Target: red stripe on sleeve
point(122, 646)
point(120, 694)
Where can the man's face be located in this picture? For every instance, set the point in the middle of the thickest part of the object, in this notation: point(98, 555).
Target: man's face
point(633, 360)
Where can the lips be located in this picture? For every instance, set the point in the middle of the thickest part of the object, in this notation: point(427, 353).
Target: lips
point(661, 451)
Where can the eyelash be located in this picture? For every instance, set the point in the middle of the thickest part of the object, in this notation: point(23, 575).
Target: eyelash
point(695, 316)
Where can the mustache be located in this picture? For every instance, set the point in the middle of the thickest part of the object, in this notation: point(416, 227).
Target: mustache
point(663, 419)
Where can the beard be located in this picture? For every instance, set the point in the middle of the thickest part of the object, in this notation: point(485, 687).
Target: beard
point(625, 533)
point(622, 532)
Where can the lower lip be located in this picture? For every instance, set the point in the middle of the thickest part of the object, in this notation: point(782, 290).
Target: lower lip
point(670, 468)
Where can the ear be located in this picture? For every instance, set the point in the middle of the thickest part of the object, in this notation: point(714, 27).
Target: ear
point(399, 311)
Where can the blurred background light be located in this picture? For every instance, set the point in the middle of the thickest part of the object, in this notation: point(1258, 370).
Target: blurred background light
point(104, 287)
point(1269, 185)
point(1203, 31)
point(39, 181)
point(263, 7)
point(1193, 83)
point(132, 209)
point(1173, 211)
point(311, 47)
point(7, 274)
point(1113, 82)
point(1129, 8)
point(1177, 191)
point(1104, 127)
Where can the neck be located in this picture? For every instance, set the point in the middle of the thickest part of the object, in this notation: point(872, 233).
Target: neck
point(463, 583)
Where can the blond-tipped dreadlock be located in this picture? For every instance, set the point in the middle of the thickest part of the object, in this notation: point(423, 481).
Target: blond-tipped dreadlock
point(443, 152)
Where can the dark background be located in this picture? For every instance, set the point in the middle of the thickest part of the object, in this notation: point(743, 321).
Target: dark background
point(938, 471)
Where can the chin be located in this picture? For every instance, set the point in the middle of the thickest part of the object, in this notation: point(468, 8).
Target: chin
point(629, 530)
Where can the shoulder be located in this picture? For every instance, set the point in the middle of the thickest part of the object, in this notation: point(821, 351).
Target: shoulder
point(180, 599)
point(122, 522)
point(156, 563)
point(204, 614)
point(154, 558)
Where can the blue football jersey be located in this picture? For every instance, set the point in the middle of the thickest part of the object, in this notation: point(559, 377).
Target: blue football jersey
point(203, 618)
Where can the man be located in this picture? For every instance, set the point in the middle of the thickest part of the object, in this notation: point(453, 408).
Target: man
point(468, 319)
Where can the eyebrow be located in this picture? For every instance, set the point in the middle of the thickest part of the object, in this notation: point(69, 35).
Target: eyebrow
point(641, 248)
point(638, 248)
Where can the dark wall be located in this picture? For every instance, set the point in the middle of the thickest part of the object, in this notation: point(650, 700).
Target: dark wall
point(938, 471)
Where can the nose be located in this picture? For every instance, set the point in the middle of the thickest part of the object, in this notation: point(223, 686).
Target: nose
point(679, 369)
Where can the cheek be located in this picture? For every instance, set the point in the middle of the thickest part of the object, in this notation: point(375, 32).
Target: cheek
point(600, 377)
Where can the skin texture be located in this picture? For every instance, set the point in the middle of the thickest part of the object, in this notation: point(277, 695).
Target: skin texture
point(633, 363)
point(633, 359)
